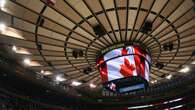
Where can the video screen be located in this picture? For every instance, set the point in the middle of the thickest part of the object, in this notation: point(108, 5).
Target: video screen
point(124, 62)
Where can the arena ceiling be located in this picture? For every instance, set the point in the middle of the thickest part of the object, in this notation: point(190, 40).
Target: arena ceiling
point(44, 35)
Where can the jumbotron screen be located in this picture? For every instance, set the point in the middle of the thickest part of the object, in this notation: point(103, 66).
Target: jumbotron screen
point(126, 63)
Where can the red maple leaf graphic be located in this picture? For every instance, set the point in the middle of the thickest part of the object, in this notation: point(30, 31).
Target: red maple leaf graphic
point(124, 51)
point(127, 68)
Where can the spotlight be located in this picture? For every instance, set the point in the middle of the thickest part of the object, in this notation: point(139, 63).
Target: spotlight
point(92, 85)
point(14, 48)
point(27, 61)
point(2, 27)
point(20, 50)
point(146, 27)
point(169, 76)
point(60, 78)
point(2, 3)
point(193, 62)
point(76, 83)
point(77, 53)
point(176, 107)
point(159, 65)
point(154, 81)
point(99, 30)
point(42, 71)
point(168, 46)
point(47, 73)
point(185, 69)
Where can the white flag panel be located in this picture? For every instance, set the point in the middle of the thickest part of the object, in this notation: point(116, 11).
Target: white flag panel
point(124, 62)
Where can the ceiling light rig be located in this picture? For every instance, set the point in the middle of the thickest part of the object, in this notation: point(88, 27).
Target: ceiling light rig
point(2, 27)
point(60, 78)
point(99, 30)
point(20, 50)
point(77, 53)
point(193, 62)
point(42, 71)
point(91, 85)
point(147, 27)
point(2, 4)
point(14, 48)
point(154, 81)
point(46, 73)
point(76, 83)
point(184, 70)
point(27, 61)
point(169, 76)
point(168, 46)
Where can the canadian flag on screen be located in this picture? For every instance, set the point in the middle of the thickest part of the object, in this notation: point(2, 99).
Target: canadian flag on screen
point(128, 65)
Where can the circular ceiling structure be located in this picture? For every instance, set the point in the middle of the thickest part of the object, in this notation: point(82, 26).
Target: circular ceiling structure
point(42, 35)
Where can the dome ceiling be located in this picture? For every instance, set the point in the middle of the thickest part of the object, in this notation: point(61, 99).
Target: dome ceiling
point(45, 35)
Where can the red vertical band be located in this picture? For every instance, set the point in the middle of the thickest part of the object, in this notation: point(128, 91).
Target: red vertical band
point(103, 69)
point(124, 51)
point(139, 61)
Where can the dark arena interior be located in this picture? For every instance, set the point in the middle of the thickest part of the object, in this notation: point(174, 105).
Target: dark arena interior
point(97, 54)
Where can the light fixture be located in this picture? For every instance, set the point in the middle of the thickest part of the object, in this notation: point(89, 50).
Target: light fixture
point(168, 46)
point(2, 27)
point(42, 71)
point(193, 62)
point(2, 3)
point(76, 83)
point(99, 30)
point(77, 53)
point(46, 72)
point(60, 78)
point(147, 27)
point(176, 107)
point(27, 61)
point(175, 100)
point(20, 50)
point(14, 48)
point(169, 76)
point(11, 32)
point(139, 107)
point(184, 70)
point(154, 81)
point(92, 85)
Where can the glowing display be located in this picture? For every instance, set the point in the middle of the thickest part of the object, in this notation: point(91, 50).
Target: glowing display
point(130, 61)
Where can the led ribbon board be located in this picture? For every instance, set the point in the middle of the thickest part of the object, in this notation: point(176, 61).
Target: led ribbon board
point(124, 67)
